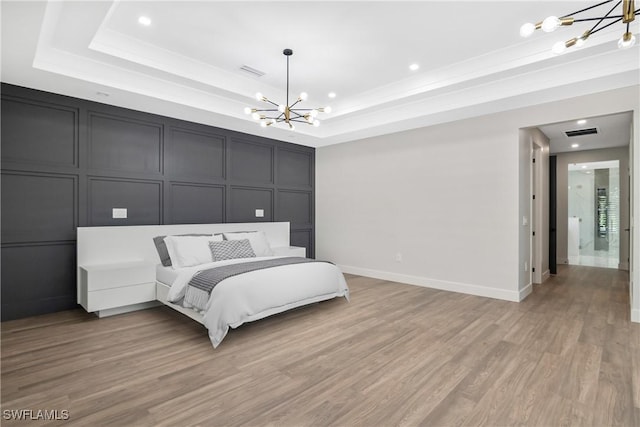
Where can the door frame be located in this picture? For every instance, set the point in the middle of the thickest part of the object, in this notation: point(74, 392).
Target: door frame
point(536, 214)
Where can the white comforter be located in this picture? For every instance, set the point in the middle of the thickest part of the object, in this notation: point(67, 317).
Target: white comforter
point(261, 293)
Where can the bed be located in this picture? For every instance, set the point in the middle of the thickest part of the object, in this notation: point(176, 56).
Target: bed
point(251, 296)
point(252, 273)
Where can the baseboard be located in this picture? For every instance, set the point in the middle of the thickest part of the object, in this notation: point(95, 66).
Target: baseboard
point(635, 315)
point(126, 309)
point(524, 292)
point(463, 288)
point(546, 275)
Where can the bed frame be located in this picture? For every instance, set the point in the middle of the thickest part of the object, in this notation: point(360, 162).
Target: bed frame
point(116, 265)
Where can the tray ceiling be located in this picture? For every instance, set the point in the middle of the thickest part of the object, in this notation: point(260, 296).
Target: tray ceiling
point(187, 62)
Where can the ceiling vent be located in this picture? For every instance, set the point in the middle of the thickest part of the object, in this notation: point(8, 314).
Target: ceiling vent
point(252, 71)
point(581, 132)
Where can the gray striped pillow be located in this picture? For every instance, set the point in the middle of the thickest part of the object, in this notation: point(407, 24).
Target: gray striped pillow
point(231, 249)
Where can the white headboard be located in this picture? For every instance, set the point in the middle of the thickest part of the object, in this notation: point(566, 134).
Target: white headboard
point(104, 245)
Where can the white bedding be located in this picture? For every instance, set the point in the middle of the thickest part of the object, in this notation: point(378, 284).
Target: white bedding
point(261, 293)
point(166, 275)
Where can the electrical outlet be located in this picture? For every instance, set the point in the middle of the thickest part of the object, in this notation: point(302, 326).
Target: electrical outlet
point(119, 213)
point(259, 213)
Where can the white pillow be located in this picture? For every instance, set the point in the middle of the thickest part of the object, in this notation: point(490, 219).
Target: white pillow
point(187, 251)
point(258, 240)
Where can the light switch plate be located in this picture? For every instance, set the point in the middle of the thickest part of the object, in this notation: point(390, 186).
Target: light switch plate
point(259, 213)
point(119, 212)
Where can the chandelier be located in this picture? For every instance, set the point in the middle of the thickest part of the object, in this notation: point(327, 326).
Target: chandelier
point(601, 22)
point(285, 113)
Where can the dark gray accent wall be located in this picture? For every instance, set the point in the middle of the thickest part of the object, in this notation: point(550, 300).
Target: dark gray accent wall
point(68, 162)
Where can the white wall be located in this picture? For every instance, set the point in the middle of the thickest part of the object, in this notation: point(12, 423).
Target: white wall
point(448, 197)
point(429, 194)
point(634, 216)
point(524, 213)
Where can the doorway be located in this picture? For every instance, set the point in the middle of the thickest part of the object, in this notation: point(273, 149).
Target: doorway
point(593, 228)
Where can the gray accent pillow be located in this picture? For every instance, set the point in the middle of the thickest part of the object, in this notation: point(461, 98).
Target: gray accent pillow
point(231, 249)
point(161, 247)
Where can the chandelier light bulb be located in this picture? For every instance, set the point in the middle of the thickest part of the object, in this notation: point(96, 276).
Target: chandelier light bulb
point(263, 124)
point(626, 41)
point(313, 113)
point(248, 110)
point(256, 116)
point(527, 29)
point(309, 118)
point(558, 48)
point(281, 108)
point(316, 123)
point(303, 96)
point(550, 24)
point(327, 109)
point(259, 96)
point(580, 42)
point(144, 20)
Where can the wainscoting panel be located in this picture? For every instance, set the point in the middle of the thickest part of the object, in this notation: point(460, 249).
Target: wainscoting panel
point(122, 144)
point(303, 238)
point(195, 154)
point(196, 203)
point(142, 199)
point(38, 278)
point(251, 162)
point(295, 207)
point(245, 201)
point(67, 162)
point(38, 207)
point(39, 133)
point(295, 168)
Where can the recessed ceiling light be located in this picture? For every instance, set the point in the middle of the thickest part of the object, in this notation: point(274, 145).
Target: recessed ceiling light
point(414, 67)
point(144, 20)
point(584, 166)
point(575, 145)
point(582, 121)
point(332, 95)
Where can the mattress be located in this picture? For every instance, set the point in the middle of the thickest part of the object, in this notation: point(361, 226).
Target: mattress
point(166, 275)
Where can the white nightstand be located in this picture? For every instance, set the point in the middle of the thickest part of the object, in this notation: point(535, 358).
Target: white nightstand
point(116, 288)
point(290, 251)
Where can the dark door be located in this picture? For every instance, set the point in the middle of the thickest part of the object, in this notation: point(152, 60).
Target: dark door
point(553, 205)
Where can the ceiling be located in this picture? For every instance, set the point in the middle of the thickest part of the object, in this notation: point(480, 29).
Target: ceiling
point(186, 64)
point(613, 130)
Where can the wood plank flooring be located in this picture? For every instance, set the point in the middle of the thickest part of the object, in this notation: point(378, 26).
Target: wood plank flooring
point(396, 355)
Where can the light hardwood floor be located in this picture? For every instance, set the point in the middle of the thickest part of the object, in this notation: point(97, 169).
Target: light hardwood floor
point(396, 355)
